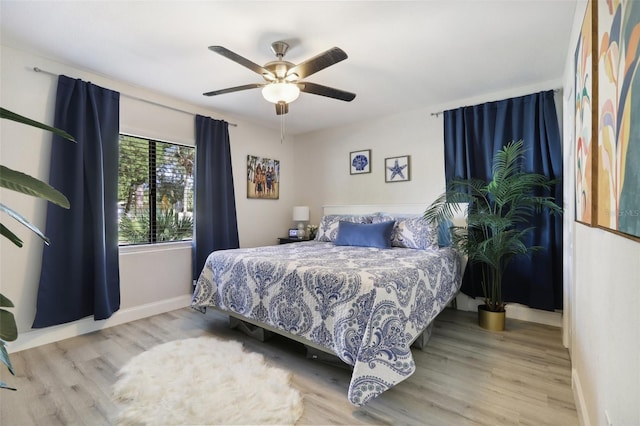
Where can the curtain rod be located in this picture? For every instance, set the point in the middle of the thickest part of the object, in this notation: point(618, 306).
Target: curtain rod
point(436, 114)
point(36, 69)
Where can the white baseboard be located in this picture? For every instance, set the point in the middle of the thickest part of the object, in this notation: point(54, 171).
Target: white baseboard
point(515, 311)
point(578, 397)
point(43, 336)
point(38, 337)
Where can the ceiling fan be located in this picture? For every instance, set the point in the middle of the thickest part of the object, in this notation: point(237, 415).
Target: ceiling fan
point(283, 79)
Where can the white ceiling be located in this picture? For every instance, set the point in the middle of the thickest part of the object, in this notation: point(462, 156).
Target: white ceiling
point(403, 55)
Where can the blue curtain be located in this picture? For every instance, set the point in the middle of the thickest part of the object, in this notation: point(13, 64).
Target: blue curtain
point(216, 225)
point(472, 137)
point(80, 275)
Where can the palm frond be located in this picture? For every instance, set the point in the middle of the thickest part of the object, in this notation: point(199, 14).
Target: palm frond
point(7, 233)
point(9, 115)
point(8, 331)
point(445, 207)
point(496, 212)
point(21, 182)
point(25, 184)
point(5, 302)
point(17, 216)
point(507, 160)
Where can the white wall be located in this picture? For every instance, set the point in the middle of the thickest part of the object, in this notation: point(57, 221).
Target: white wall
point(605, 295)
point(322, 162)
point(605, 347)
point(153, 278)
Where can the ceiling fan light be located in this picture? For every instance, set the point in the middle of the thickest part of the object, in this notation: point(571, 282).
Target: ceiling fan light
point(280, 92)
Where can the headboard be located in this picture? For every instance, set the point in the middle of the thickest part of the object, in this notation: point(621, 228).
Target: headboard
point(459, 219)
point(374, 208)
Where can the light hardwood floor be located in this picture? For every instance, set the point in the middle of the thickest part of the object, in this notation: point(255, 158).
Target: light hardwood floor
point(465, 375)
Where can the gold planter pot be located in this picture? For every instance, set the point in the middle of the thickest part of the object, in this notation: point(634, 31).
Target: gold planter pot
point(491, 320)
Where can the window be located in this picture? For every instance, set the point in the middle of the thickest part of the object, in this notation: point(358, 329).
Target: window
point(155, 191)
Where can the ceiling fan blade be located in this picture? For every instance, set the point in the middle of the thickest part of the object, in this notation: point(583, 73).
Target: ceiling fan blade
point(329, 92)
point(318, 62)
point(233, 89)
point(242, 61)
point(282, 108)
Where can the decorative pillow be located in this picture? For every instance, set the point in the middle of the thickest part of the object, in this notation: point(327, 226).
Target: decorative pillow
point(328, 228)
point(411, 231)
point(365, 234)
point(444, 233)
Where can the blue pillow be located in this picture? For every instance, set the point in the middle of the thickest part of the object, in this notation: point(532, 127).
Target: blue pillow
point(444, 233)
point(365, 234)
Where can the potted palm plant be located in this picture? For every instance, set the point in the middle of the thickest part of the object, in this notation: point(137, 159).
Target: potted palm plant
point(497, 214)
point(25, 184)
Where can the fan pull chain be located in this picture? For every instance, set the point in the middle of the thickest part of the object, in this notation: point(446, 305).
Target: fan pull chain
point(281, 129)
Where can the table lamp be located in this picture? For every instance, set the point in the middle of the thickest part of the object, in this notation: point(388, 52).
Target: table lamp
point(301, 215)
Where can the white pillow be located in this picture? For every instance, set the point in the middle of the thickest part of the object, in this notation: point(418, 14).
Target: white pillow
point(411, 231)
point(328, 228)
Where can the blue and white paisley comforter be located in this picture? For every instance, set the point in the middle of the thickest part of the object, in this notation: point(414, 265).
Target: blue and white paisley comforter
point(366, 305)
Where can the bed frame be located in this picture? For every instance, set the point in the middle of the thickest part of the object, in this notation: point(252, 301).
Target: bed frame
point(262, 332)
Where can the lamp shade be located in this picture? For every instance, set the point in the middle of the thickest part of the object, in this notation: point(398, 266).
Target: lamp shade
point(301, 213)
point(280, 92)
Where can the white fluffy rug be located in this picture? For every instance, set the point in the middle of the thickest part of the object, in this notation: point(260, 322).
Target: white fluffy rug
point(204, 381)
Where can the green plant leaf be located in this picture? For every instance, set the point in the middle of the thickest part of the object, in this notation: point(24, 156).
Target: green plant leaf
point(8, 332)
point(4, 356)
point(17, 216)
point(5, 302)
point(21, 182)
point(8, 329)
point(9, 115)
point(10, 235)
point(3, 385)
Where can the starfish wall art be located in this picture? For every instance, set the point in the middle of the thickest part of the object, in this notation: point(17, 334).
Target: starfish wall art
point(397, 169)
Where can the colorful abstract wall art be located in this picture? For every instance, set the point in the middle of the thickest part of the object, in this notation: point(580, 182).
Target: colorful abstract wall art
point(585, 94)
point(618, 175)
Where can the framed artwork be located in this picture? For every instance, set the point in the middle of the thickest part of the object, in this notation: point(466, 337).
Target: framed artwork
point(618, 136)
point(360, 162)
point(263, 178)
point(586, 121)
point(397, 169)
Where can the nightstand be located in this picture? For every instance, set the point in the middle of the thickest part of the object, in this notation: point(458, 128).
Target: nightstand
point(287, 240)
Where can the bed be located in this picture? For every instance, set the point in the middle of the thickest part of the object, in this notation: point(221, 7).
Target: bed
point(364, 303)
